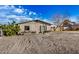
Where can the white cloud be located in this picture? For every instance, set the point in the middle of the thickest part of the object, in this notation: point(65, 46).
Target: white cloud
point(73, 18)
point(19, 18)
point(19, 10)
point(4, 7)
point(12, 6)
point(8, 13)
point(45, 20)
point(32, 13)
point(37, 18)
point(11, 16)
point(20, 7)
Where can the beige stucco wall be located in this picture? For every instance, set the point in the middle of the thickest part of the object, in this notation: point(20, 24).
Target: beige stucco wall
point(30, 24)
point(49, 28)
point(38, 24)
point(34, 26)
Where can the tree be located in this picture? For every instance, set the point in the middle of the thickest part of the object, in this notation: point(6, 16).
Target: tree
point(57, 19)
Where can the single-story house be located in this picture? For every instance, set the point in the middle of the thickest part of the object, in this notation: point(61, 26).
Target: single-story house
point(35, 26)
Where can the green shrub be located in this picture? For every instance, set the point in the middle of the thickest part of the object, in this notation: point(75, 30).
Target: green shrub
point(11, 29)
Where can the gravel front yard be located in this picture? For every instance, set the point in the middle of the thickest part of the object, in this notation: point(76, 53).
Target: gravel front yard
point(48, 43)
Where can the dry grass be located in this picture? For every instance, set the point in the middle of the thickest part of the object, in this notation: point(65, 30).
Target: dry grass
point(48, 43)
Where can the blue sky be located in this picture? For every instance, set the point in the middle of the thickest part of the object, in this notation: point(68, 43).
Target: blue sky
point(21, 13)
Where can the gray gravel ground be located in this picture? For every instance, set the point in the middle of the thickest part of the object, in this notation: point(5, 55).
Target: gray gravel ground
point(48, 43)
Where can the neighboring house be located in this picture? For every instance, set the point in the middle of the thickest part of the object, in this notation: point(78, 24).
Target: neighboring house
point(75, 27)
point(66, 25)
point(35, 26)
point(70, 26)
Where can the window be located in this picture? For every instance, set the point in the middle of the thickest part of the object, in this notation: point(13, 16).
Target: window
point(26, 28)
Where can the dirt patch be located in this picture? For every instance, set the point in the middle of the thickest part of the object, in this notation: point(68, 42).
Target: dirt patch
point(48, 43)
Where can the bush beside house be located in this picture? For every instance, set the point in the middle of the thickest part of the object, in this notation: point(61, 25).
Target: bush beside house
point(10, 29)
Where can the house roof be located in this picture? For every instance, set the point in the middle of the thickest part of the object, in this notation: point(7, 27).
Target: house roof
point(36, 21)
